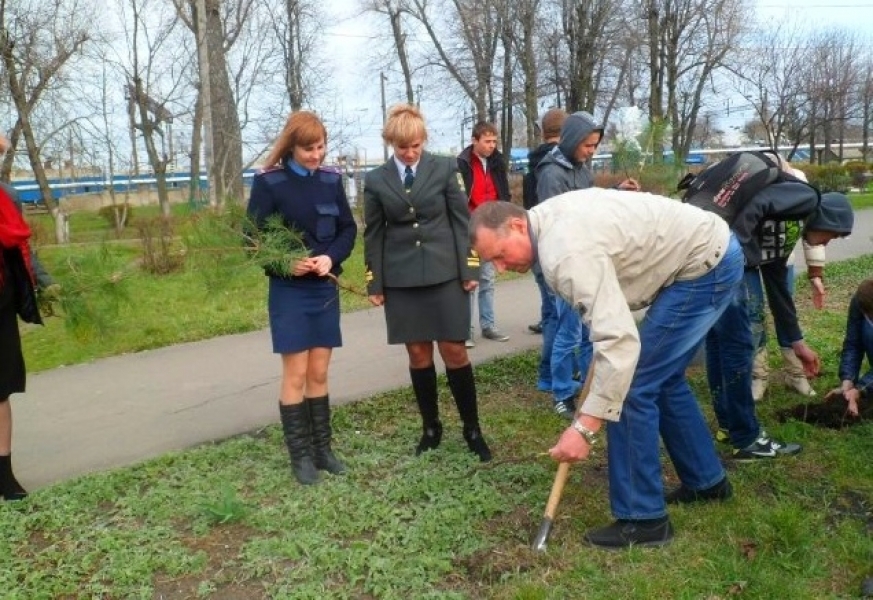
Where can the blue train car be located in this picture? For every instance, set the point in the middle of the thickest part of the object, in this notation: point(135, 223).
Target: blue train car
point(28, 189)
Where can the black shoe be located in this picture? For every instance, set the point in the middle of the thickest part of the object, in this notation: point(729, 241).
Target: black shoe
point(13, 491)
point(765, 447)
point(430, 438)
point(10, 489)
point(494, 334)
point(626, 533)
point(476, 443)
point(535, 328)
point(566, 409)
point(685, 495)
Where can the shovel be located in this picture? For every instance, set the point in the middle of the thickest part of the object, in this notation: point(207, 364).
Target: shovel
point(539, 542)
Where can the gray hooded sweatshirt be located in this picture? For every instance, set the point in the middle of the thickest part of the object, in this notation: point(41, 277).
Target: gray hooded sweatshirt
point(557, 172)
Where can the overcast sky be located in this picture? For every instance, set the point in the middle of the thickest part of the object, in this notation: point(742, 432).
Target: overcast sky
point(349, 42)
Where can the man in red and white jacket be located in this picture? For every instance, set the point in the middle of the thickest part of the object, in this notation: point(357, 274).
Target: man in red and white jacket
point(483, 170)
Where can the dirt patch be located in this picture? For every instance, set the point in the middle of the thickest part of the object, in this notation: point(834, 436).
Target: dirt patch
point(852, 504)
point(221, 575)
point(831, 413)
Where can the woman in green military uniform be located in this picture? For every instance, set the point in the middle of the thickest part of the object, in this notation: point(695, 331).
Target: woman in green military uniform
point(421, 269)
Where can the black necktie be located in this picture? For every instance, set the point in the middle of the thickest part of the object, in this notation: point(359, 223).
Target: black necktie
point(408, 178)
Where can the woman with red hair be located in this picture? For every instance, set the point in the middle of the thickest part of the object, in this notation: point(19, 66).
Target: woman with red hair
point(304, 300)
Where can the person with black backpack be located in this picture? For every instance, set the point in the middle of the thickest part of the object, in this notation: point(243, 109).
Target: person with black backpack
point(762, 203)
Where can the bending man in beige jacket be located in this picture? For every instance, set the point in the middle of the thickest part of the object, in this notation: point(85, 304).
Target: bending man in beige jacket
point(608, 252)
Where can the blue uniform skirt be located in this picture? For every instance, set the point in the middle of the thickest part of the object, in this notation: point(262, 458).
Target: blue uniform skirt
point(304, 314)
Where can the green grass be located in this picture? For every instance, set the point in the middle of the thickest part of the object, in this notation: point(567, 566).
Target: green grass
point(861, 200)
point(226, 520)
point(190, 305)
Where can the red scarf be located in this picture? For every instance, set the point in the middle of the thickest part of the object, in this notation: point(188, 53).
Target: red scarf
point(14, 233)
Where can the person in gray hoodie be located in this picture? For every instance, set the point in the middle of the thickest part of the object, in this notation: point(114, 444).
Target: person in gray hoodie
point(565, 169)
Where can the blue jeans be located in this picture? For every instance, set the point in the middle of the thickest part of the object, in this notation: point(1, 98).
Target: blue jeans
point(547, 296)
point(730, 351)
point(549, 322)
point(486, 295)
point(571, 351)
point(758, 317)
point(670, 334)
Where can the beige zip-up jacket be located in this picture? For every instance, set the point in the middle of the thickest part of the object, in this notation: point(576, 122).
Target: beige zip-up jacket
point(608, 252)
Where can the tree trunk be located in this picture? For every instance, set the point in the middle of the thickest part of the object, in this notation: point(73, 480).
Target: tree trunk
point(226, 133)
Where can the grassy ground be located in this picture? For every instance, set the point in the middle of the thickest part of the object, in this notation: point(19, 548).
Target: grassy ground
point(226, 520)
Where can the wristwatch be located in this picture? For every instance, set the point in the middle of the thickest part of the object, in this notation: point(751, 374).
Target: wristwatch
point(589, 435)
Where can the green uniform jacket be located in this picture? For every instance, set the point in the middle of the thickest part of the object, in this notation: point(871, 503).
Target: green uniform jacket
point(417, 238)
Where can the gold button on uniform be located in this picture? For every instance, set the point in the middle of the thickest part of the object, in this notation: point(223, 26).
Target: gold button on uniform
point(415, 225)
point(418, 242)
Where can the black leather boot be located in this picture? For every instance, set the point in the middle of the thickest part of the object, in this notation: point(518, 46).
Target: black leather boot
point(424, 384)
point(430, 438)
point(463, 386)
point(295, 424)
point(476, 443)
point(319, 412)
point(10, 489)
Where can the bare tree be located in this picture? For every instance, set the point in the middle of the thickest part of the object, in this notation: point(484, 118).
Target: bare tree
point(225, 21)
point(865, 94)
point(766, 76)
point(393, 11)
point(522, 25)
point(833, 76)
point(465, 35)
point(37, 42)
point(688, 42)
point(585, 29)
point(153, 75)
point(295, 25)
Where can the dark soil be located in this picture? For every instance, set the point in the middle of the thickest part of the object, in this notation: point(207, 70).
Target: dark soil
point(830, 413)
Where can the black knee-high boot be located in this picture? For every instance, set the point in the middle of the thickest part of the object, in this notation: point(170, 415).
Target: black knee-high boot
point(424, 384)
point(463, 386)
point(298, 439)
point(10, 489)
point(319, 412)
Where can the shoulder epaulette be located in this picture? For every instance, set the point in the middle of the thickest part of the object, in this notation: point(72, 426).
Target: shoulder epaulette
point(273, 175)
point(329, 174)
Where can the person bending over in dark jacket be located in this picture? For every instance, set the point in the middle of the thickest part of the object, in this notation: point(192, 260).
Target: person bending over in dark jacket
point(762, 225)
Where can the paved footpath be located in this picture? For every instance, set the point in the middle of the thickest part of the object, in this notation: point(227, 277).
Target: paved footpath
point(121, 410)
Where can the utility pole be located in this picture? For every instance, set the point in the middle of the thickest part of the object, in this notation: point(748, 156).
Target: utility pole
point(382, 79)
point(206, 99)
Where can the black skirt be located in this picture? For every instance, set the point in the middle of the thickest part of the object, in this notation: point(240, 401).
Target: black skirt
point(438, 312)
point(304, 314)
point(12, 373)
